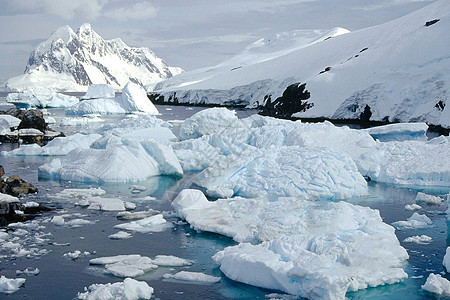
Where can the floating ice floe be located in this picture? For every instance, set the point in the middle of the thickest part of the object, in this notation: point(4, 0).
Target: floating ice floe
point(59, 146)
point(314, 249)
point(129, 289)
point(28, 271)
point(428, 199)
point(9, 285)
point(76, 254)
point(437, 284)
point(24, 240)
point(74, 223)
point(121, 235)
point(40, 98)
point(137, 215)
point(155, 223)
point(413, 206)
point(106, 204)
point(446, 260)
point(399, 132)
point(125, 265)
point(418, 239)
point(193, 277)
point(414, 222)
point(132, 100)
point(78, 193)
point(130, 161)
point(171, 261)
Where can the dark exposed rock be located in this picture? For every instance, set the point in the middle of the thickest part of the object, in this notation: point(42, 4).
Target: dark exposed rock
point(429, 23)
point(365, 115)
point(440, 105)
point(31, 118)
point(292, 101)
point(14, 186)
point(326, 70)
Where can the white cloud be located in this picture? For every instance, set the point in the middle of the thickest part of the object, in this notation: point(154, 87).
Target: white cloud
point(67, 9)
point(139, 11)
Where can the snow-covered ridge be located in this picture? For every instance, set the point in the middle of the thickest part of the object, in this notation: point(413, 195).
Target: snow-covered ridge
point(71, 61)
point(399, 70)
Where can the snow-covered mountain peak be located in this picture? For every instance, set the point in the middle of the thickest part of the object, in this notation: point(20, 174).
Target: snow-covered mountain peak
point(69, 61)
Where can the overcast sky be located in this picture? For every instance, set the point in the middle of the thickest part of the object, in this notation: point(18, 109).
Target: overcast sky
point(185, 33)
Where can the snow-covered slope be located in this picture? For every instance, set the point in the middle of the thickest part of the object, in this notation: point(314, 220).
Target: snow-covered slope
point(70, 61)
point(397, 71)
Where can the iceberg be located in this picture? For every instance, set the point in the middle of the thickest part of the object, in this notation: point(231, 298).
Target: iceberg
point(399, 132)
point(414, 222)
point(207, 121)
point(98, 91)
point(128, 162)
point(129, 289)
point(155, 223)
point(428, 199)
point(437, 284)
point(59, 146)
point(40, 98)
point(132, 100)
point(9, 286)
point(314, 249)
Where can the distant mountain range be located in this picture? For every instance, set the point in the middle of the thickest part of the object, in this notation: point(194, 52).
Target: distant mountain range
point(70, 61)
point(398, 71)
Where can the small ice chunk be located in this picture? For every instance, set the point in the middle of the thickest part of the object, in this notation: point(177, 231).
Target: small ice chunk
point(139, 188)
point(8, 199)
point(77, 223)
point(58, 220)
point(105, 204)
point(413, 206)
point(126, 215)
point(125, 265)
point(129, 289)
point(79, 193)
point(31, 204)
point(437, 284)
point(418, 239)
point(171, 261)
point(446, 261)
point(428, 199)
point(121, 235)
point(76, 254)
point(414, 222)
point(193, 276)
point(9, 286)
point(155, 223)
point(28, 271)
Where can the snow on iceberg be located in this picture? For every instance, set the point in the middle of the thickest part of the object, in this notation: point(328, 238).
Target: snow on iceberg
point(437, 284)
point(309, 173)
point(207, 121)
point(9, 285)
point(315, 249)
point(126, 162)
point(132, 100)
point(129, 289)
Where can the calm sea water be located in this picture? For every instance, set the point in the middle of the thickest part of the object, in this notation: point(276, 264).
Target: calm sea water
point(62, 278)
